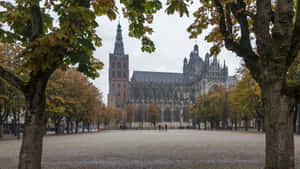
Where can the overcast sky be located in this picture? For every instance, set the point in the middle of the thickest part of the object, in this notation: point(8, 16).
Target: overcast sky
point(171, 41)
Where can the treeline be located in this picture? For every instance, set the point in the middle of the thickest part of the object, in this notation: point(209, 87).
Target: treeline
point(71, 98)
point(236, 107)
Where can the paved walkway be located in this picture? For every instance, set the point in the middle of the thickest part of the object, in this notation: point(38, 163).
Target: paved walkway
point(175, 149)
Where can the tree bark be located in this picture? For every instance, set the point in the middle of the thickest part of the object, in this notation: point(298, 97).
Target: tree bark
point(1, 129)
point(246, 123)
point(56, 125)
point(72, 126)
point(258, 125)
point(295, 121)
point(235, 121)
point(83, 125)
point(32, 143)
point(279, 128)
point(68, 127)
point(98, 126)
point(76, 126)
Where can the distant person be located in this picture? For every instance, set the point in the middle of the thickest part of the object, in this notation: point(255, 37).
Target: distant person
point(159, 127)
point(166, 127)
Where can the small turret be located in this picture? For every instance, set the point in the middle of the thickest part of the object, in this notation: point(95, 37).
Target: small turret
point(185, 65)
point(207, 58)
point(196, 49)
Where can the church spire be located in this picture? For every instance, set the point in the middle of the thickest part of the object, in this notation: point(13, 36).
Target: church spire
point(119, 47)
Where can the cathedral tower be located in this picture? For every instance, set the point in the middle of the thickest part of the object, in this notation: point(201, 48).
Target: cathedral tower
point(118, 74)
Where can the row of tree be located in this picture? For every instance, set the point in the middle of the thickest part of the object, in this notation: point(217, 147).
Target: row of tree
point(222, 106)
point(242, 102)
point(70, 96)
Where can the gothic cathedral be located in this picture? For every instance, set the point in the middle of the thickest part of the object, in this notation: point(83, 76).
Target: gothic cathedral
point(172, 92)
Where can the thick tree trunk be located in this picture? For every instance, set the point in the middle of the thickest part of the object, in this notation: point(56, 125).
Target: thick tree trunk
point(279, 128)
point(32, 143)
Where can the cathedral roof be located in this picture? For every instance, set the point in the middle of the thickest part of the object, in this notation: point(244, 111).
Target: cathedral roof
point(163, 77)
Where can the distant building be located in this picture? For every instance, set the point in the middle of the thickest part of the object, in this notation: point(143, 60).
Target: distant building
point(172, 92)
point(118, 74)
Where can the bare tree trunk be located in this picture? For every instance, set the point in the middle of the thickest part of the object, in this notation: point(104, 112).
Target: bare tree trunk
point(295, 121)
point(258, 125)
point(246, 123)
point(76, 126)
point(83, 125)
point(68, 127)
point(15, 123)
point(72, 126)
point(235, 122)
point(1, 129)
point(56, 125)
point(279, 128)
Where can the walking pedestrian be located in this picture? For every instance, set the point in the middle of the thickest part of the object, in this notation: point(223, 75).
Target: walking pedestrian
point(166, 127)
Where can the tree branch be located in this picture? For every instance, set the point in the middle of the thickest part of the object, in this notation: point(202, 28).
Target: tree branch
point(12, 79)
point(292, 90)
point(243, 47)
point(295, 46)
point(230, 44)
point(261, 27)
point(36, 22)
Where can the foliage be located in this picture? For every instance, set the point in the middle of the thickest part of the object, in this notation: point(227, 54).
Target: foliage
point(153, 114)
point(71, 95)
point(245, 96)
point(130, 113)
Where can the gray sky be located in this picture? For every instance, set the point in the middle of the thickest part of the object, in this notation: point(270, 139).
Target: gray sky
point(171, 41)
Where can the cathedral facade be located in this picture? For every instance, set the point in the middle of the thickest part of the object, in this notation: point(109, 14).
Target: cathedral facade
point(174, 93)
